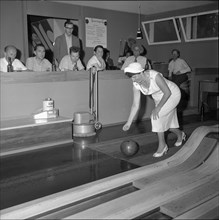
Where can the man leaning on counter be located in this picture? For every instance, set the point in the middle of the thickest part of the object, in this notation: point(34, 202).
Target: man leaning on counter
point(9, 62)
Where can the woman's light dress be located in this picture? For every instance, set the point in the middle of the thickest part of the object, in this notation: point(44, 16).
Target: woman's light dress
point(168, 114)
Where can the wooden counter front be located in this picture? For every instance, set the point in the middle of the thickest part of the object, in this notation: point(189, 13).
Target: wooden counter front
point(22, 94)
point(25, 134)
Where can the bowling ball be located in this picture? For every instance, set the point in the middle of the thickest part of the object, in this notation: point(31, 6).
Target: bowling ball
point(129, 147)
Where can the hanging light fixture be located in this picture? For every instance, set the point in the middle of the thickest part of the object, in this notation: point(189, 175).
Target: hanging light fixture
point(139, 32)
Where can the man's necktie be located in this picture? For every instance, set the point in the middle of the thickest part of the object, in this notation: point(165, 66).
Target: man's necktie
point(75, 68)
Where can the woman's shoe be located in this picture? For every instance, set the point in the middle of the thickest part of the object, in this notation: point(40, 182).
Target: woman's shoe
point(179, 143)
point(164, 151)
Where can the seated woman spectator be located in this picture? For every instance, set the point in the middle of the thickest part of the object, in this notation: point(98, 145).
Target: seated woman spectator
point(97, 59)
point(136, 57)
point(71, 61)
point(10, 53)
point(39, 62)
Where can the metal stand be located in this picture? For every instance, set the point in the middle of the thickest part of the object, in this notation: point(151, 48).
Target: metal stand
point(93, 97)
point(85, 123)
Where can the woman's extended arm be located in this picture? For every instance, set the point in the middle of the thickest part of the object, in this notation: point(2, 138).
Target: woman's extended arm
point(166, 94)
point(134, 108)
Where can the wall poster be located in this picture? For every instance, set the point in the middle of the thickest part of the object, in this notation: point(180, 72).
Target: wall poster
point(96, 32)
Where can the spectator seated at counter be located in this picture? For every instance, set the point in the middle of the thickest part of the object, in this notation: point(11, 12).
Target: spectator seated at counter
point(71, 61)
point(97, 59)
point(108, 60)
point(39, 62)
point(137, 50)
point(9, 59)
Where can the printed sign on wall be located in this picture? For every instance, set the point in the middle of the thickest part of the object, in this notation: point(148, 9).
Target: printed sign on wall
point(96, 32)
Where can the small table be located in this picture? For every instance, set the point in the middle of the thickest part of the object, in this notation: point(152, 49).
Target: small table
point(206, 86)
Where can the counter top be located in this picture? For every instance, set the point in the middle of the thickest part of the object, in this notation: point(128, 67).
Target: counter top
point(24, 122)
point(59, 76)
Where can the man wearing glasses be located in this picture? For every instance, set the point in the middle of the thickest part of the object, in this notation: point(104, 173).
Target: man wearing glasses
point(65, 41)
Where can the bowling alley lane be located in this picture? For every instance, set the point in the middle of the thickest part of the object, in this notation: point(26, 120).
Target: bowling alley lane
point(33, 175)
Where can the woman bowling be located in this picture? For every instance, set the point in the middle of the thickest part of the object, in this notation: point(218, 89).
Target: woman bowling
point(166, 95)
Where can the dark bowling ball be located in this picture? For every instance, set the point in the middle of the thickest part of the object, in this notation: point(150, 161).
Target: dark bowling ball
point(129, 147)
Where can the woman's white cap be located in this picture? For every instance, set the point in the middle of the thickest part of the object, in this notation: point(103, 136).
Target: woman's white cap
point(134, 68)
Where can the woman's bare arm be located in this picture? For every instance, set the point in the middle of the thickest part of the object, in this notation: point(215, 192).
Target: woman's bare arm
point(134, 108)
point(166, 94)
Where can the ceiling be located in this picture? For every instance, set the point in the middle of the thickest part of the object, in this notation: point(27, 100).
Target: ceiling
point(146, 7)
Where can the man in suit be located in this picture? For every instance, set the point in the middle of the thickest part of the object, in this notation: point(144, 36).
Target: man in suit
point(65, 41)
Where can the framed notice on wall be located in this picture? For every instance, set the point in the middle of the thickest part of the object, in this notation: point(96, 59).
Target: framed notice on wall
point(96, 32)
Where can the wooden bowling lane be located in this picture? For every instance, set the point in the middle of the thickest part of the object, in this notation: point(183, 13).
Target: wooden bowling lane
point(206, 210)
point(148, 144)
point(88, 203)
point(196, 159)
point(53, 170)
point(207, 167)
point(139, 202)
point(191, 199)
point(133, 205)
point(156, 192)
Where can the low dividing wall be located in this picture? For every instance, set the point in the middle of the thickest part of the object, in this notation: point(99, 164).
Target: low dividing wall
point(22, 93)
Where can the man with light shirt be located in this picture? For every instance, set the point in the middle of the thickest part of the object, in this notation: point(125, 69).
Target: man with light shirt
point(137, 50)
point(39, 62)
point(65, 41)
point(71, 61)
point(178, 68)
point(10, 53)
point(178, 73)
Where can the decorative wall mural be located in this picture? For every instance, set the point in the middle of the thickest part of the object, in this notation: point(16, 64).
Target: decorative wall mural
point(44, 30)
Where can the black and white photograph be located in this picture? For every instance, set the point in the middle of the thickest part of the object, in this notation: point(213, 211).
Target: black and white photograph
point(109, 109)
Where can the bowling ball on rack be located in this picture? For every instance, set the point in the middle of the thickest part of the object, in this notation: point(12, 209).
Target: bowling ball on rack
point(129, 147)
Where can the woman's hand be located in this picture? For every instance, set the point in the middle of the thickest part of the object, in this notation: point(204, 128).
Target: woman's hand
point(155, 113)
point(126, 126)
